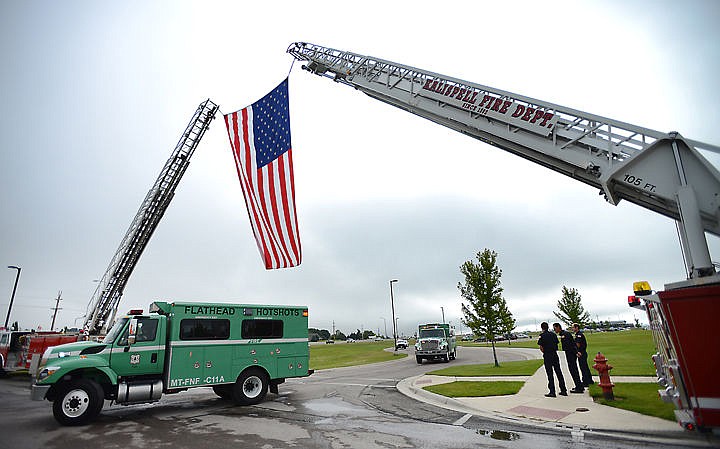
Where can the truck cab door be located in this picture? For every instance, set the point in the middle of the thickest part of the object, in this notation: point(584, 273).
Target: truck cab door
point(140, 349)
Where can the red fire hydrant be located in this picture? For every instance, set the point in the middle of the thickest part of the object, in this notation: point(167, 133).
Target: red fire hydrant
point(603, 368)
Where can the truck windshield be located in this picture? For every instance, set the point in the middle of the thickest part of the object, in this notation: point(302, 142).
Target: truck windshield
point(430, 333)
point(115, 330)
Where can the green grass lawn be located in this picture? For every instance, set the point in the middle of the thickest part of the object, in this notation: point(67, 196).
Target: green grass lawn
point(636, 397)
point(629, 352)
point(350, 354)
point(475, 389)
point(516, 368)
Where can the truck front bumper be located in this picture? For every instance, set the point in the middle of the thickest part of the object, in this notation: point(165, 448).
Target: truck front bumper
point(437, 353)
point(38, 392)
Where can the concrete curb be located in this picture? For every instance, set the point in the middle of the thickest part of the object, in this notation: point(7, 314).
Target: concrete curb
point(637, 427)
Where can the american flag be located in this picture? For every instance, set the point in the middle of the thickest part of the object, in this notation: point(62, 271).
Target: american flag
point(260, 140)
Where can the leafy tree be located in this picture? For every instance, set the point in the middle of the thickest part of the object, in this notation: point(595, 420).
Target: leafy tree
point(323, 334)
point(571, 309)
point(486, 313)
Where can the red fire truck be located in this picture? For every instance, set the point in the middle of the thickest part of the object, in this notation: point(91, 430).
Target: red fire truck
point(21, 350)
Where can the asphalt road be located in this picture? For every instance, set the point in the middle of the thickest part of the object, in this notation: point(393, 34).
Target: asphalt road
point(355, 407)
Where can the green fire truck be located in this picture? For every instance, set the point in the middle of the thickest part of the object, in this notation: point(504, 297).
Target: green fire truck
point(239, 350)
point(435, 341)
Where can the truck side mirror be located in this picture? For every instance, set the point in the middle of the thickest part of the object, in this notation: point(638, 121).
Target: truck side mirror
point(132, 331)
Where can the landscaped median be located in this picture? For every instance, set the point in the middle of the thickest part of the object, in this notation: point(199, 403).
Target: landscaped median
point(495, 380)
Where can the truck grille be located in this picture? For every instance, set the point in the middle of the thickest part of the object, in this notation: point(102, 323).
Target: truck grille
point(429, 345)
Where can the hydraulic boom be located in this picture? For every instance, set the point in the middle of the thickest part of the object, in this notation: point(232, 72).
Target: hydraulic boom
point(103, 305)
point(663, 172)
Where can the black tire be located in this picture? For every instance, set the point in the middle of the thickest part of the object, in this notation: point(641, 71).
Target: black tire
point(224, 391)
point(251, 387)
point(78, 402)
point(418, 359)
point(446, 357)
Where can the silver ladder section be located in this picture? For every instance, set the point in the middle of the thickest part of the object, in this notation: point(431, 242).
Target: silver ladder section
point(662, 172)
point(104, 303)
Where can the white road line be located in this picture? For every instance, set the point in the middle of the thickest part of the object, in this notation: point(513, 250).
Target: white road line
point(462, 420)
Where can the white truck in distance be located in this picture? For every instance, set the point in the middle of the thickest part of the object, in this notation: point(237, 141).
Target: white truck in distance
point(435, 341)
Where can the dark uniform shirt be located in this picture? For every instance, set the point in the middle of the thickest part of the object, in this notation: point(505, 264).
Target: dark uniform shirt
point(567, 341)
point(580, 342)
point(549, 342)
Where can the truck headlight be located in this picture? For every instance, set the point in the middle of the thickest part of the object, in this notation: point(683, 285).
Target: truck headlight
point(47, 372)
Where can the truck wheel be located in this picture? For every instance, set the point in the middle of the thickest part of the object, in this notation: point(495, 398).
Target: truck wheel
point(453, 355)
point(251, 387)
point(224, 391)
point(78, 402)
point(446, 357)
point(418, 359)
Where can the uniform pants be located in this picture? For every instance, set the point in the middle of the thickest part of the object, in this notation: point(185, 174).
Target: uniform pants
point(584, 369)
point(552, 362)
point(572, 361)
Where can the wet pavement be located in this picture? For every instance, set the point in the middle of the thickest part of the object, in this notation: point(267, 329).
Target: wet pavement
point(356, 407)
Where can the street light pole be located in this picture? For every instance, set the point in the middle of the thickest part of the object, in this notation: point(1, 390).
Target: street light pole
point(12, 298)
point(384, 321)
point(392, 305)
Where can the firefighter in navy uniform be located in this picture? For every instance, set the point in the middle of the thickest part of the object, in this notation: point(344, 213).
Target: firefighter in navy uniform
point(567, 343)
point(548, 343)
point(582, 354)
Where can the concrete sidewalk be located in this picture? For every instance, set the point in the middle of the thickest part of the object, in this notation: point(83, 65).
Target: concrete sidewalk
point(575, 412)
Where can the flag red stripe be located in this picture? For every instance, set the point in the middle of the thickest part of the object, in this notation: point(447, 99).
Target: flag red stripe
point(266, 218)
point(294, 236)
point(239, 144)
point(286, 205)
point(276, 213)
point(249, 187)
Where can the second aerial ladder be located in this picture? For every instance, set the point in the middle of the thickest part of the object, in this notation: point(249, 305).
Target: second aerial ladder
point(103, 305)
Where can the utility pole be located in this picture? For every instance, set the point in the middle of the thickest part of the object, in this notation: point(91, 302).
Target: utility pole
point(392, 305)
point(12, 298)
point(57, 307)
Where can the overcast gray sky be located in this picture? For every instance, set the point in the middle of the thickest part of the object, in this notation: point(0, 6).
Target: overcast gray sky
point(95, 96)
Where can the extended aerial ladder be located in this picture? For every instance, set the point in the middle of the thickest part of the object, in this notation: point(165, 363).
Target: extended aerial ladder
point(102, 307)
point(663, 172)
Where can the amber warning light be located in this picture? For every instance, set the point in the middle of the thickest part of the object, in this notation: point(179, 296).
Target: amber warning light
point(642, 288)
